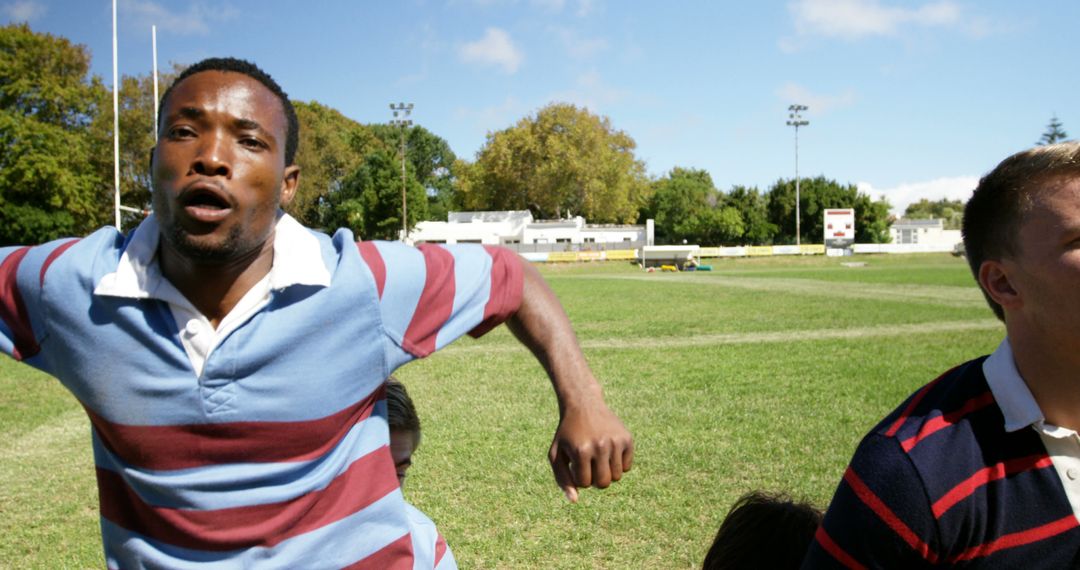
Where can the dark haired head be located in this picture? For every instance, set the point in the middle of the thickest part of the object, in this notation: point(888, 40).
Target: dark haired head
point(993, 215)
point(400, 411)
point(763, 531)
point(233, 65)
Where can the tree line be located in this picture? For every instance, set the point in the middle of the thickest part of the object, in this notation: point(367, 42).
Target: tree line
point(56, 174)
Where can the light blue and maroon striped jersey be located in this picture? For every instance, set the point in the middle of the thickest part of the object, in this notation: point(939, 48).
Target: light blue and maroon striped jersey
point(941, 483)
point(276, 456)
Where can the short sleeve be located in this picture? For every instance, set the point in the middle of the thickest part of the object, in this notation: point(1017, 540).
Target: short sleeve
point(432, 294)
point(880, 516)
point(22, 278)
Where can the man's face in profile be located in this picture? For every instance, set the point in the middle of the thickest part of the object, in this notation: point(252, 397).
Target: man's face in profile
point(402, 447)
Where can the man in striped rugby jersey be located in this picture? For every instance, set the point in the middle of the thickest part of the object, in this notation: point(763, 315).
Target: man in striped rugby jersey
point(981, 468)
point(231, 361)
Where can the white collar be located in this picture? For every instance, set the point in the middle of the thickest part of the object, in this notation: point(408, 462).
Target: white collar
point(1013, 395)
point(297, 261)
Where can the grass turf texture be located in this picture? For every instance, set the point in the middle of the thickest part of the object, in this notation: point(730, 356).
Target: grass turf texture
point(763, 374)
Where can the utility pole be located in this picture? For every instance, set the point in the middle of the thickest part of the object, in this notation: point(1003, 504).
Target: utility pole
point(403, 110)
point(796, 120)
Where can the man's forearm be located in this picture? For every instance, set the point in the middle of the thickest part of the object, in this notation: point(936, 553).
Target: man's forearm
point(541, 324)
point(591, 446)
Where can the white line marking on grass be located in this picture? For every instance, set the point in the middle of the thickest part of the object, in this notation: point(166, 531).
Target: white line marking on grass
point(950, 296)
point(788, 336)
point(797, 335)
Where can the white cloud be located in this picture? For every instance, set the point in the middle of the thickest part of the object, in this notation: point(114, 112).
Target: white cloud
point(584, 7)
point(550, 5)
point(23, 10)
point(854, 19)
point(791, 93)
point(578, 47)
point(591, 91)
point(192, 21)
point(494, 117)
point(495, 48)
point(953, 188)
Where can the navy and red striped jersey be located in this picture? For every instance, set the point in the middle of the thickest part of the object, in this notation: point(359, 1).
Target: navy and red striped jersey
point(941, 482)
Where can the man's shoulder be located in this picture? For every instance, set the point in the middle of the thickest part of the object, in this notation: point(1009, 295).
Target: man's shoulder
point(955, 416)
point(86, 255)
point(945, 432)
point(962, 388)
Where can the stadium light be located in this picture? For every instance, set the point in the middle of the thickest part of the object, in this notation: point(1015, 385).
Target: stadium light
point(405, 109)
point(796, 120)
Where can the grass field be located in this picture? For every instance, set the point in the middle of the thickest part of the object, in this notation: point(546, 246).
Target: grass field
point(762, 374)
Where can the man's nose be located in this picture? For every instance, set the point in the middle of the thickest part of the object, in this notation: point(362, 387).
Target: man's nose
point(214, 157)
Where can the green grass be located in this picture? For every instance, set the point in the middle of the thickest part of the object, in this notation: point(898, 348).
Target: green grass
point(762, 374)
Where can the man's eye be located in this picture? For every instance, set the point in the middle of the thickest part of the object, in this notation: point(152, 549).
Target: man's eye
point(253, 143)
point(180, 132)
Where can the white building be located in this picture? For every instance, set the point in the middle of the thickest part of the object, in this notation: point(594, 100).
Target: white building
point(517, 227)
point(930, 232)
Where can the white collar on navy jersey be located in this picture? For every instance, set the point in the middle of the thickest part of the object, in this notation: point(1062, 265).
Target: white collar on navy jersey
point(1013, 395)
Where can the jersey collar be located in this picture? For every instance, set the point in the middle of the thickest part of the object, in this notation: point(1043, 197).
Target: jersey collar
point(298, 260)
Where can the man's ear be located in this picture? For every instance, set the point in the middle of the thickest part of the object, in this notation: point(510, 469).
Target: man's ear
point(289, 181)
point(996, 278)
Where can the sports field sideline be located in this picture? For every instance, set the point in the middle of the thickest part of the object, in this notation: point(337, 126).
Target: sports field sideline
point(762, 374)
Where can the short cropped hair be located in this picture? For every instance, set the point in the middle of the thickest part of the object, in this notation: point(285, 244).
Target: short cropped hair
point(993, 215)
point(234, 65)
point(400, 411)
point(764, 530)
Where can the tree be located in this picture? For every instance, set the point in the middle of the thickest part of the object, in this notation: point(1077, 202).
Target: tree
point(369, 200)
point(753, 207)
point(331, 147)
point(562, 161)
point(1054, 133)
point(817, 194)
point(686, 206)
point(50, 185)
point(951, 211)
point(432, 162)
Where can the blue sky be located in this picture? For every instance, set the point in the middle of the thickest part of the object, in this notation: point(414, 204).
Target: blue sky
point(907, 99)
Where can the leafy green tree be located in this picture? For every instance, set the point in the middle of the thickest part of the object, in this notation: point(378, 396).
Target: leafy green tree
point(686, 206)
point(432, 161)
point(369, 200)
point(872, 219)
point(50, 185)
point(753, 207)
point(559, 162)
point(331, 147)
point(951, 211)
point(818, 194)
point(1054, 133)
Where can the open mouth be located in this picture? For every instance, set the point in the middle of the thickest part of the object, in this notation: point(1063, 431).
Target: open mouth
point(205, 204)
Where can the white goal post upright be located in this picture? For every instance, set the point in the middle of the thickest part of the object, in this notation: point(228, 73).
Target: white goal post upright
point(116, 122)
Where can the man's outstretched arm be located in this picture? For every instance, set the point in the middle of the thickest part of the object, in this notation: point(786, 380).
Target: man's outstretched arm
point(591, 448)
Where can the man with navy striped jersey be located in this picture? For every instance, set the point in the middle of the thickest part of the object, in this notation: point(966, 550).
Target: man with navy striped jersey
point(981, 467)
point(231, 361)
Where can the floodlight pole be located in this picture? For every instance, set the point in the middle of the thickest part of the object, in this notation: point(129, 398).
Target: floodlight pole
point(405, 109)
point(796, 120)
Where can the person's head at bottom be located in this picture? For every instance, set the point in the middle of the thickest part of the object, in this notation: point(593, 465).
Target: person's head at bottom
point(763, 531)
point(404, 426)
